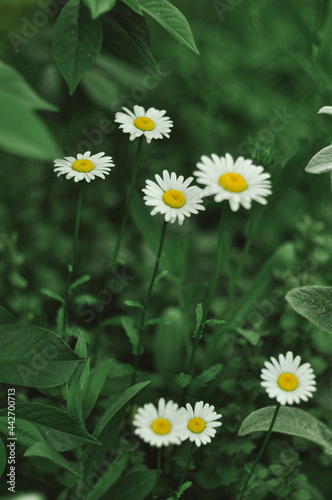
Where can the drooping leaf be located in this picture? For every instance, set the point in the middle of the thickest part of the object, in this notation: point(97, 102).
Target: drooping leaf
point(170, 18)
point(133, 303)
point(133, 4)
point(45, 451)
point(314, 303)
point(12, 83)
point(98, 7)
point(80, 281)
point(133, 486)
point(291, 421)
point(321, 162)
point(34, 357)
point(52, 295)
point(205, 377)
point(22, 132)
point(76, 42)
point(58, 429)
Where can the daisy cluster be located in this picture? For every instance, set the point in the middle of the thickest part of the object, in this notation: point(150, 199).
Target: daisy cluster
point(168, 424)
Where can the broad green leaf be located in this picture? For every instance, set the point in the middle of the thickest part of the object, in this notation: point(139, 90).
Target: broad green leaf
point(25, 432)
point(170, 18)
point(34, 357)
point(52, 295)
point(133, 486)
point(12, 83)
point(6, 318)
point(133, 303)
point(80, 281)
point(291, 421)
point(84, 378)
point(204, 378)
point(45, 451)
point(133, 4)
point(314, 303)
point(93, 389)
point(131, 332)
point(321, 162)
point(169, 341)
point(22, 132)
point(60, 430)
point(76, 42)
point(109, 477)
point(127, 33)
point(116, 406)
point(98, 7)
point(3, 457)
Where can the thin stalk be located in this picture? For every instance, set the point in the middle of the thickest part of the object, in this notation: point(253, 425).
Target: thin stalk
point(154, 493)
point(191, 451)
point(238, 273)
point(267, 437)
point(130, 193)
point(147, 299)
point(220, 258)
point(73, 253)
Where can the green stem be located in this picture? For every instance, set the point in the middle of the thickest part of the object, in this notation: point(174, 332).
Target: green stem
point(154, 493)
point(73, 253)
point(130, 193)
point(267, 437)
point(238, 273)
point(191, 451)
point(147, 299)
point(220, 258)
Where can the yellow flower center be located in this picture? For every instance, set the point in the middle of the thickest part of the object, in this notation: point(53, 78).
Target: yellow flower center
point(196, 425)
point(233, 182)
point(144, 123)
point(161, 426)
point(288, 382)
point(83, 165)
point(174, 198)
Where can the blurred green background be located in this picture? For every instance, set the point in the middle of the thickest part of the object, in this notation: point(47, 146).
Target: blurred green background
point(263, 72)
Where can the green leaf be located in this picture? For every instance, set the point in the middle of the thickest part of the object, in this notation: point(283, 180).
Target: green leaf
point(6, 318)
point(22, 132)
point(131, 332)
point(205, 377)
point(159, 277)
point(291, 421)
point(84, 378)
point(252, 337)
point(199, 317)
point(94, 388)
point(77, 42)
point(133, 4)
point(314, 303)
point(183, 380)
point(80, 281)
point(34, 357)
point(170, 18)
point(321, 162)
point(52, 295)
point(12, 83)
point(133, 486)
point(214, 322)
point(133, 303)
point(25, 432)
point(98, 7)
point(157, 321)
point(127, 33)
point(3, 457)
point(60, 430)
point(116, 406)
point(109, 477)
point(45, 451)
point(81, 348)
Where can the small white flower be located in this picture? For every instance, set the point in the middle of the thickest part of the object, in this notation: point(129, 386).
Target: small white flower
point(84, 167)
point(239, 182)
point(199, 423)
point(159, 426)
point(173, 197)
point(287, 381)
point(326, 109)
point(152, 123)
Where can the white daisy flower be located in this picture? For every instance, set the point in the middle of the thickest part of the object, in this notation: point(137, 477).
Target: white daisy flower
point(151, 123)
point(159, 426)
point(326, 109)
point(84, 167)
point(287, 381)
point(239, 182)
point(173, 197)
point(199, 423)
